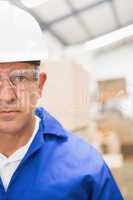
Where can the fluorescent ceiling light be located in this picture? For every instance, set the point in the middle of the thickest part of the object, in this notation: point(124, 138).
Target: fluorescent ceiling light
point(110, 38)
point(32, 3)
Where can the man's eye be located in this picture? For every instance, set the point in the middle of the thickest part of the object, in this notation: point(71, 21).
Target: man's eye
point(20, 78)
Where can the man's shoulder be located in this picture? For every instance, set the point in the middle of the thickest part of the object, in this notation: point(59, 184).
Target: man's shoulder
point(81, 150)
point(75, 163)
point(74, 149)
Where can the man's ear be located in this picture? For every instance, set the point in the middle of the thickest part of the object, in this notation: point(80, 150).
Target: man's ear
point(42, 79)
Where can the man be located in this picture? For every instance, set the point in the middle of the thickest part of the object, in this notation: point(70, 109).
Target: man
point(39, 159)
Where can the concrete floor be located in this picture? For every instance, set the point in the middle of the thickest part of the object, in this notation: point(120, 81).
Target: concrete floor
point(125, 179)
point(128, 179)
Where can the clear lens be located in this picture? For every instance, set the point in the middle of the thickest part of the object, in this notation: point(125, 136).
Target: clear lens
point(22, 77)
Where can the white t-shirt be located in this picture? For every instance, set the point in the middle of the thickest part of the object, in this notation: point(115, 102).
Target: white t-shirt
point(9, 165)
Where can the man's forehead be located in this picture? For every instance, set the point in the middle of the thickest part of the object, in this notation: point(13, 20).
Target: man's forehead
point(15, 65)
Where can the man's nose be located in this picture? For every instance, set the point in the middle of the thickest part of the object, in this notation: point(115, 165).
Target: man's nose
point(7, 92)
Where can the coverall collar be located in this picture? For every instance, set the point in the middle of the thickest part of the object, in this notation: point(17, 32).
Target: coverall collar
point(48, 126)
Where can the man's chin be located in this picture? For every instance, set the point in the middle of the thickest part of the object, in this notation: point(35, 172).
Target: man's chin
point(10, 125)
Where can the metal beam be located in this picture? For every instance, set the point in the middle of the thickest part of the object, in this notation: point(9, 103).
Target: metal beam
point(48, 26)
point(80, 21)
point(116, 14)
point(76, 12)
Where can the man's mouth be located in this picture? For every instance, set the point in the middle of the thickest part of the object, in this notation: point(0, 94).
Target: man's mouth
point(8, 113)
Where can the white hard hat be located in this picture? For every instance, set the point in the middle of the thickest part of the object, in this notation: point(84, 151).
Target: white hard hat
point(21, 38)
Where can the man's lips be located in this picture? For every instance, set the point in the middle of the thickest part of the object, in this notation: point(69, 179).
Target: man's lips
point(8, 113)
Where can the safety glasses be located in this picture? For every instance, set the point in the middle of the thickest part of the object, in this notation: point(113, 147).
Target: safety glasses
point(21, 77)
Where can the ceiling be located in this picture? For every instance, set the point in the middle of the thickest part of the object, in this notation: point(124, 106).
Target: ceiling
point(71, 22)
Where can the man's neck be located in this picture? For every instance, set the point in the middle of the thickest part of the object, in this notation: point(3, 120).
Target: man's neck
point(10, 143)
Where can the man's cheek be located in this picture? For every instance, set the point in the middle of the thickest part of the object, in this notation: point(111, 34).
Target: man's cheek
point(24, 101)
point(27, 99)
point(33, 99)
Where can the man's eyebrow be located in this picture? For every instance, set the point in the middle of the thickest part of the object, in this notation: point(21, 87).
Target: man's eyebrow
point(15, 69)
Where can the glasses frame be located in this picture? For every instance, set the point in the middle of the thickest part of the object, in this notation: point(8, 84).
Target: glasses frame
point(20, 72)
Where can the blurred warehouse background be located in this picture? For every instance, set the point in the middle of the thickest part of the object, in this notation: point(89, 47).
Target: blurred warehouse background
point(90, 74)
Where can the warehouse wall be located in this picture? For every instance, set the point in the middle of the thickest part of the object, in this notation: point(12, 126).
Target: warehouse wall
point(65, 94)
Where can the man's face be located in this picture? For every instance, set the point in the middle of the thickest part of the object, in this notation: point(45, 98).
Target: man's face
point(19, 93)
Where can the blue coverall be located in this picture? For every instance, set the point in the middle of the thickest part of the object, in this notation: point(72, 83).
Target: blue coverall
point(60, 166)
